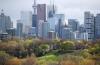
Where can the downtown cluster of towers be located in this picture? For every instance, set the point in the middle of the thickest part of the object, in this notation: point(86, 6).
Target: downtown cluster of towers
point(45, 23)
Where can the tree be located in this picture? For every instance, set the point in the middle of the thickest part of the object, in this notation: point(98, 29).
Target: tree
point(28, 42)
point(87, 62)
point(95, 50)
point(85, 53)
point(44, 48)
point(67, 46)
point(80, 45)
point(13, 61)
point(3, 57)
point(30, 61)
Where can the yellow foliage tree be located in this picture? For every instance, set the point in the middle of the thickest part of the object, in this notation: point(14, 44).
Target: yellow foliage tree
point(87, 62)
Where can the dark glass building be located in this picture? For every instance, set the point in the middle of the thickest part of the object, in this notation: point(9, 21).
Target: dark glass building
point(34, 20)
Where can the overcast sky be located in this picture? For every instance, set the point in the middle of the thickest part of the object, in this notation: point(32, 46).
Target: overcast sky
point(71, 8)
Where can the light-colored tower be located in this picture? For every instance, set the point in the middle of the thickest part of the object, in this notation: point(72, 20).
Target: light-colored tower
point(35, 7)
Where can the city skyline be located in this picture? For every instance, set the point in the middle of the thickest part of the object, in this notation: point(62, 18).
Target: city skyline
point(49, 32)
point(71, 9)
point(46, 18)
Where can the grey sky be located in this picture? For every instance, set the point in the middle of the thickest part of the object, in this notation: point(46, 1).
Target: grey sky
point(71, 8)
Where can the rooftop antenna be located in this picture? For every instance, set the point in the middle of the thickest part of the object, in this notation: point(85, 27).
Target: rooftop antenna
point(53, 7)
point(35, 7)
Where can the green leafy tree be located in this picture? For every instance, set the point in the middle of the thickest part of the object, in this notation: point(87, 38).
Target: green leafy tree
point(44, 48)
point(67, 46)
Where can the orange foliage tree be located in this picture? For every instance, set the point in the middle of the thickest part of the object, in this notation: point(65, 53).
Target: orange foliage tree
point(13, 61)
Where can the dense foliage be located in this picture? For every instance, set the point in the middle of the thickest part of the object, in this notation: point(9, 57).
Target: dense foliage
point(56, 52)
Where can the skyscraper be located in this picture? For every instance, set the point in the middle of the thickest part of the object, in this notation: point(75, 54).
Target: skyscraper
point(52, 35)
point(19, 29)
point(52, 22)
point(35, 7)
point(40, 28)
point(26, 20)
point(89, 25)
point(67, 34)
point(41, 12)
point(11, 32)
point(51, 16)
point(5, 22)
point(81, 35)
point(34, 16)
point(81, 28)
point(34, 20)
point(51, 11)
point(32, 32)
point(45, 30)
point(60, 24)
point(41, 17)
point(73, 23)
point(97, 26)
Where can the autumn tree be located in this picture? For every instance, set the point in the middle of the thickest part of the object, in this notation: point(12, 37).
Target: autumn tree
point(30, 60)
point(87, 62)
point(3, 57)
point(13, 61)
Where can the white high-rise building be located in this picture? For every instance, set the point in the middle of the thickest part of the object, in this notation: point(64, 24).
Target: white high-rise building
point(89, 25)
point(26, 20)
point(81, 35)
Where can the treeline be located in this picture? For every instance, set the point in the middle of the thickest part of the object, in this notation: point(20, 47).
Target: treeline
point(27, 51)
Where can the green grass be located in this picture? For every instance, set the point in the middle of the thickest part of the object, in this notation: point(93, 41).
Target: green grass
point(44, 60)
